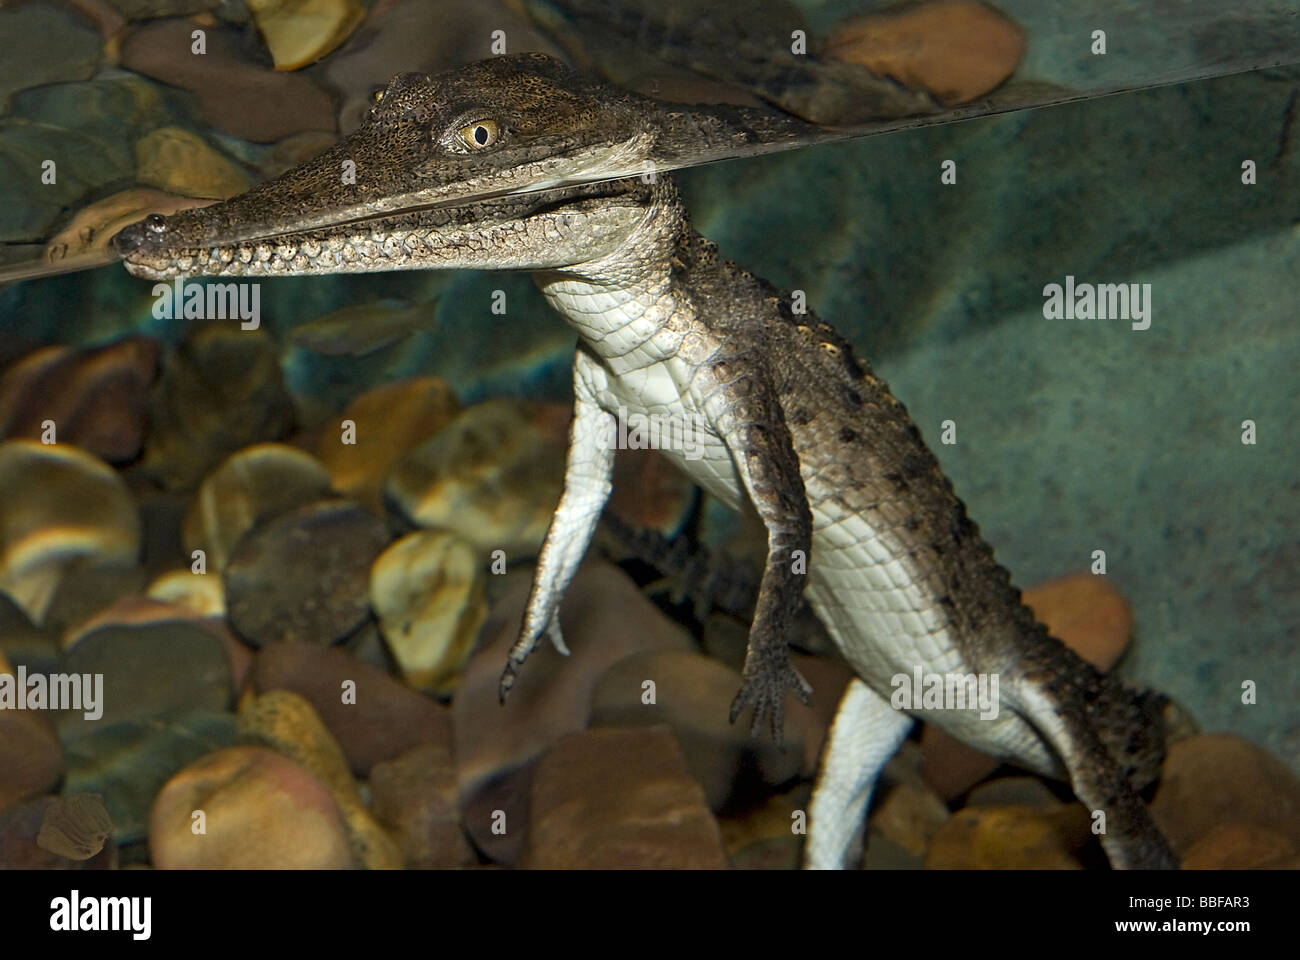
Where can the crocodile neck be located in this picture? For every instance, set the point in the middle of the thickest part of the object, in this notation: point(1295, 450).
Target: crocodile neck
point(624, 303)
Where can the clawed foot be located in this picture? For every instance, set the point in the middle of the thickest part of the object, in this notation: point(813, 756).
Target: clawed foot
point(525, 645)
point(764, 689)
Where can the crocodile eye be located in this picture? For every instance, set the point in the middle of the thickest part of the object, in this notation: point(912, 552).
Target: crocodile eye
point(479, 134)
point(377, 95)
point(155, 223)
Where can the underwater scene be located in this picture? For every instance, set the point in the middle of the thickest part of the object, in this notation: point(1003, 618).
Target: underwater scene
point(603, 434)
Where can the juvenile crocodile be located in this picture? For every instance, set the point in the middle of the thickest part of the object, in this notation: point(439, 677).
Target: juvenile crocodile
point(798, 429)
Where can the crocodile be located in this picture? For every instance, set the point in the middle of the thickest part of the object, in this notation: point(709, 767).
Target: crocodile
point(497, 165)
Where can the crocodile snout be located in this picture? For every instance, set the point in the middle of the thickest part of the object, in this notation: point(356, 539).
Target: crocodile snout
point(130, 239)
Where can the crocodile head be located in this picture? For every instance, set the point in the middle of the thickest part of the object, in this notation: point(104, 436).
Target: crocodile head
point(502, 164)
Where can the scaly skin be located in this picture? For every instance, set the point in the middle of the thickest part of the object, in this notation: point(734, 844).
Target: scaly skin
point(794, 427)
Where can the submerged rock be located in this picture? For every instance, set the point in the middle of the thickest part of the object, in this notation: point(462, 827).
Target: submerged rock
point(220, 391)
point(493, 475)
point(67, 50)
point(63, 507)
point(1214, 779)
point(128, 763)
point(22, 642)
point(152, 669)
point(619, 799)
point(305, 575)
point(91, 147)
point(151, 9)
point(31, 760)
point(259, 811)
point(234, 95)
point(1242, 846)
point(423, 37)
point(1011, 838)
point(762, 837)
point(692, 697)
point(415, 797)
point(93, 398)
point(286, 722)
point(251, 487)
point(181, 162)
point(427, 590)
point(909, 815)
point(300, 32)
point(957, 50)
point(199, 593)
point(373, 716)
point(389, 421)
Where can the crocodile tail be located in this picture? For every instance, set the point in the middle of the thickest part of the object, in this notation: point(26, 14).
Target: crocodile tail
point(1132, 726)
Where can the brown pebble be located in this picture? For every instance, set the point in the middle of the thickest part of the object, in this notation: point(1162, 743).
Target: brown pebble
point(287, 723)
point(373, 716)
point(1240, 846)
point(415, 796)
point(390, 420)
point(910, 815)
point(693, 696)
point(304, 577)
point(236, 96)
point(260, 811)
point(1213, 779)
point(31, 757)
point(956, 49)
point(1010, 838)
point(96, 398)
point(1087, 614)
point(620, 799)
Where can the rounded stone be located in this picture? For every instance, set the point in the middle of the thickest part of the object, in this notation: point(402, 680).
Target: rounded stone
point(259, 811)
point(31, 758)
point(1087, 614)
point(385, 719)
point(93, 398)
point(150, 669)
point(427, 590)
point(250, 487)
point(304, 576)
point(389, 420)
point(619, 799)
point(62, 507)
point(493, 475)
point(1212, 779)
point(956, 49)
point(692, 695)
point(300, 32)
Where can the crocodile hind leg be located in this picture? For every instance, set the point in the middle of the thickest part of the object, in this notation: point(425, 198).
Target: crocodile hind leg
point(587, 483)
point(1131, 839)
point(864, 735)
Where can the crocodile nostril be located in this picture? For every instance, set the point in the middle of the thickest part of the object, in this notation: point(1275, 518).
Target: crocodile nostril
point(128, 239)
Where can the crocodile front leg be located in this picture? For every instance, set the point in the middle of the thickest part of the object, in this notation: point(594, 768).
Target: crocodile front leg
point(745, 412)
point(864, 735)
point(587, 483)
